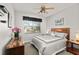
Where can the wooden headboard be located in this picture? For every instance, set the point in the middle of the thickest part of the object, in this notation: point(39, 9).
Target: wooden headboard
point(62, 30)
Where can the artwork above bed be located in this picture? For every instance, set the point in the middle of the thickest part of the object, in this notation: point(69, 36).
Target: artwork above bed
point(62, 30)
point(59, 21)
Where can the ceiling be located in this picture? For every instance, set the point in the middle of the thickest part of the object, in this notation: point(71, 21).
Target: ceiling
point(35, 7)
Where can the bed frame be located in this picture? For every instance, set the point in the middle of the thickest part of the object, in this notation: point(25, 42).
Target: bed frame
point(62, 30)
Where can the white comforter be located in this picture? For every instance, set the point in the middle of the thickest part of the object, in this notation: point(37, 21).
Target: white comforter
point(47, 44)
point(47, 38)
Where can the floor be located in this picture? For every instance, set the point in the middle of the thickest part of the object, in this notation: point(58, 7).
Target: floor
point(64, 53)
point(31, 50)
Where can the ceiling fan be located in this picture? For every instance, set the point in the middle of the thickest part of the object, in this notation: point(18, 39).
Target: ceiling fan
point(44, 8)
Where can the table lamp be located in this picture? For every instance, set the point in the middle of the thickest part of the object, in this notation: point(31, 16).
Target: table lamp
point(77, 37)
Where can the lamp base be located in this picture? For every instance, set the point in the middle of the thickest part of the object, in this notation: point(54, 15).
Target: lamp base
point(77, 40)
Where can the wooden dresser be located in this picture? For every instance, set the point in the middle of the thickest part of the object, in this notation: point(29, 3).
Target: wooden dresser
point(14, 47)
point(15, 51)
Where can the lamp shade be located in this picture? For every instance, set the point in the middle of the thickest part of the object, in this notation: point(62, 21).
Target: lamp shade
point(77, 36)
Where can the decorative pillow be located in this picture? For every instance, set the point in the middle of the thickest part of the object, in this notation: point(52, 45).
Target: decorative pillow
point(52, 33)
point(62, 35)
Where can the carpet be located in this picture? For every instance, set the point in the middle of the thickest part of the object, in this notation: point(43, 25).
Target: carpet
point(31, 50)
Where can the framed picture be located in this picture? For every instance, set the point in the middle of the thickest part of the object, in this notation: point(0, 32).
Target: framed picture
point(59, 21)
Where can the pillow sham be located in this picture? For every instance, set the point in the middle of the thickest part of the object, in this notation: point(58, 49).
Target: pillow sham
point(62, 35)
point(52, 33)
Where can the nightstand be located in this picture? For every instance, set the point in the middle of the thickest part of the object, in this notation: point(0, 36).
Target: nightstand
point(71, 48)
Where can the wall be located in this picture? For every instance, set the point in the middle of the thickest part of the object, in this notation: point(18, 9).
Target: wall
point(71, 19)
point(4, 30)
point(19, 23)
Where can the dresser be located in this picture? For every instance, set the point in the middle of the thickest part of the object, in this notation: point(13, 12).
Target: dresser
point(14, 47)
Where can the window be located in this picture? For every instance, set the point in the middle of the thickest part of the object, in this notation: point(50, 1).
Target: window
point(31, 26)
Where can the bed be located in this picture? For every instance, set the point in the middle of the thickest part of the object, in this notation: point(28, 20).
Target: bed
point(48, 44)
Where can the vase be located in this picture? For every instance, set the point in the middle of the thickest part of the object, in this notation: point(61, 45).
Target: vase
point(16, 35)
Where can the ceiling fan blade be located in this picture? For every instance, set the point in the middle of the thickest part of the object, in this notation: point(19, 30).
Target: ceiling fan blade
point(48, 8)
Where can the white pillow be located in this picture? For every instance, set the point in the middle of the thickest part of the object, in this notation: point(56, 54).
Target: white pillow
point(52, 33)
point(62, 35)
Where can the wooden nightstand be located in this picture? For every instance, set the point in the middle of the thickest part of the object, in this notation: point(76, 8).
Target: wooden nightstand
point(71, 48)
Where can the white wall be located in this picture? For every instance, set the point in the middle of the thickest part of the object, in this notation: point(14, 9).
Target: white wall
point(71, 19)
point(4, 30)
point(19, 23)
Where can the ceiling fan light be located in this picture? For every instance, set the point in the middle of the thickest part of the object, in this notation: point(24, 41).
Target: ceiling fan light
point(44, 9)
